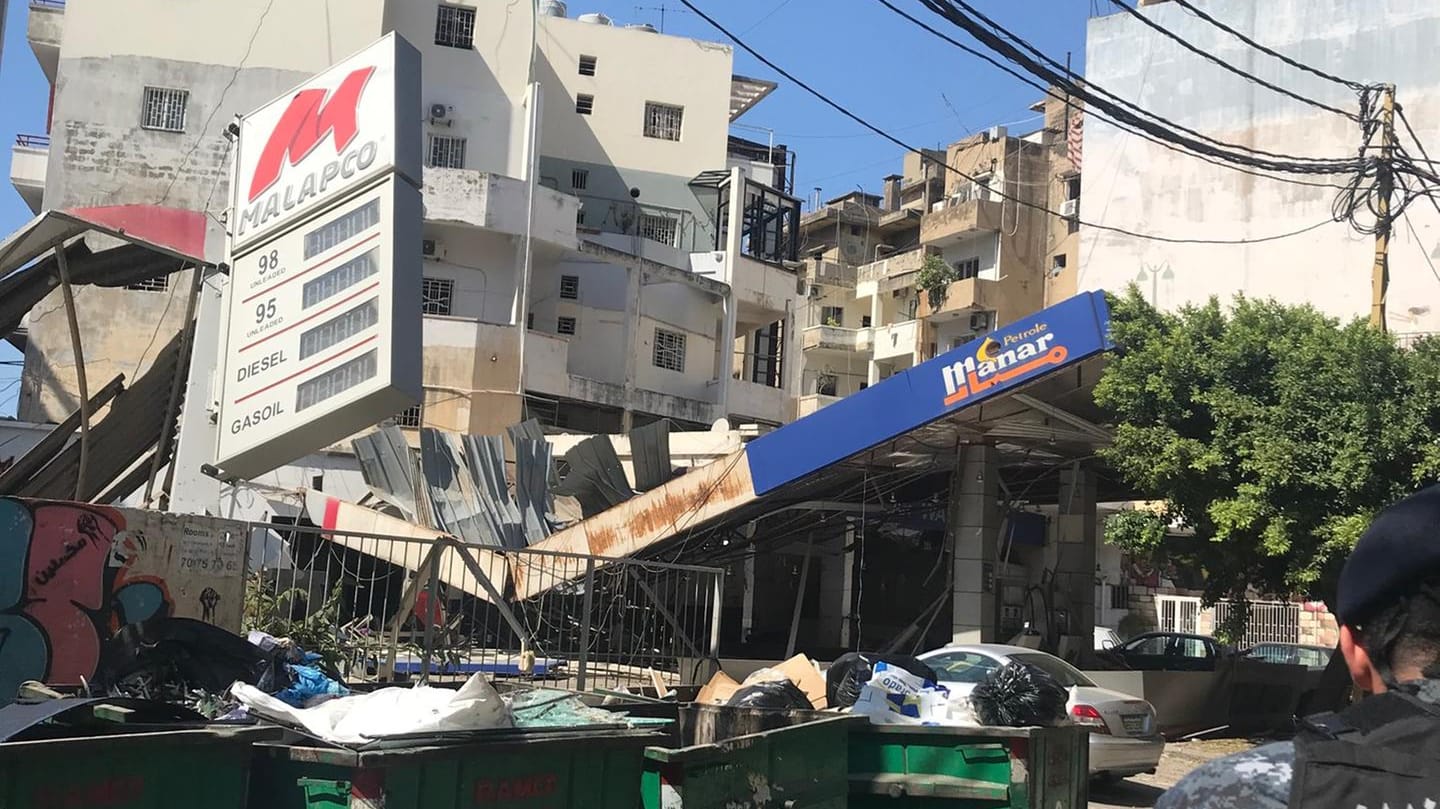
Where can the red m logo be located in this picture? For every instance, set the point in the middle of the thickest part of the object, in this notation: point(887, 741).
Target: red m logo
point(306, 122)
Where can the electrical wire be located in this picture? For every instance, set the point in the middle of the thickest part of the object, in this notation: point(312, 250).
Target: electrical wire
point(1212, 58)
point(838, 107)
point(1188, 6)
point(1428, 260)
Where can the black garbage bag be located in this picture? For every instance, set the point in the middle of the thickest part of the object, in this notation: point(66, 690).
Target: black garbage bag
point(781, 695)
point(850, 672)
point(175, 655)
point(1019, 695)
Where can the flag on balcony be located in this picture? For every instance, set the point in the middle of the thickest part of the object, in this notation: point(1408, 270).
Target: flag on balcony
point(1075, 139)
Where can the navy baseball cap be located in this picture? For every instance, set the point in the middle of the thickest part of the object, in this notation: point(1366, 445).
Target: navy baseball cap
point(1401, 547)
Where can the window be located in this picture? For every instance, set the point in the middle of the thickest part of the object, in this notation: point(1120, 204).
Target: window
point(570, 287)
point(832, 315)
point(447, 152)
point(1064, 673)
point(658, 228)
point(587, 65)
point(455, 27)
point(436, 295)
point(967, 268)
point(530, 320)
point(337, 381)
point(565, 325)
point(663, 121)
point(670, 350)
point(580, 216)
point(164, 109)
point(584, 104)
point(409, 417)
point(1119, 597)
point(962, 667)
point(856, 230)
point(1057, 264)
point(866, 322)
point(1153, 646)
point(1072, 187)
point(579, 178)
point(151, 284)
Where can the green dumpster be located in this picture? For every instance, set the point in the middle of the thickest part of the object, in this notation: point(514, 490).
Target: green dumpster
point(162, 770)
point(913, 767)
point(738, 757)
point(550, 769)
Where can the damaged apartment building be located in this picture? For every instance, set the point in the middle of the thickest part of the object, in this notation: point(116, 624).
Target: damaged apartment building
point(659, 281)
point(977, 212)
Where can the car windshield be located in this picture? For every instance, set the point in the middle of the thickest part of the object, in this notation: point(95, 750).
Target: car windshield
point(1068, 675)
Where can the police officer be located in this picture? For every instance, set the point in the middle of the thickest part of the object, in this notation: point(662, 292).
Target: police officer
point(1385, 749)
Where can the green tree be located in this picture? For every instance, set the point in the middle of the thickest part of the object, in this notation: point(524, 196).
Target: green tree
point(1273, 431)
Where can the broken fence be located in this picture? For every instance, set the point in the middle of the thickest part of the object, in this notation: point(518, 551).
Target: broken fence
point(387, 608)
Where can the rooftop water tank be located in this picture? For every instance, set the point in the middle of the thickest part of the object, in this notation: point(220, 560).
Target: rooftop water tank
point(642, 26)
point(596, 18)
point(553, 8)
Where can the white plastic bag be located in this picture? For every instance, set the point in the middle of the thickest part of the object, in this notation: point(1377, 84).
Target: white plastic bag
point(894, 696)
point(367, 720)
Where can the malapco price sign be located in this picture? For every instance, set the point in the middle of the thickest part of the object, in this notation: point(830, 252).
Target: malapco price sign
point(324, 333)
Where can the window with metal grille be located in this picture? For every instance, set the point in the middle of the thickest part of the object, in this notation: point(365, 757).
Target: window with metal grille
point(580, 217)
point(455, 27)
point(565, 325)
point(968, 268)
point(151, 284)
point(332, 233)
point(579, 178)
point(165, 109)
point(409, 417)
point(530, 320)
point(337, 381)
point(337, 330)
point(447, 152)
point(670, 350)
point(436, 295)
point(339, 279)
point(659, 228)
point(570, 287)
point(584, 104)
point(663, 121)
point(587, 65)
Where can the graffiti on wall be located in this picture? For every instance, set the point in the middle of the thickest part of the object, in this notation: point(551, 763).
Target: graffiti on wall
point(71, 574)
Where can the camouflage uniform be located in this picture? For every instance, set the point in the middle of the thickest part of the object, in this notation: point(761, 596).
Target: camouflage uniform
point(1259, 778)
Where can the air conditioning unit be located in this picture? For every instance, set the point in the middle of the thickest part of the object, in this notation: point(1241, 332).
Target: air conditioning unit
point(814, 292)
point(981, 321)
point(432, 249)
point(938, 207)
point(440, 114)
point(1070, 208)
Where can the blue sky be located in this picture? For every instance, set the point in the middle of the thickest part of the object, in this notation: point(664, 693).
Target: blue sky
point(857, 51)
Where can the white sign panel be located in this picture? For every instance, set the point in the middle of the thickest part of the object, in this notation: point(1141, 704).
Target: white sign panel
point(336, 133)
point(324, 331)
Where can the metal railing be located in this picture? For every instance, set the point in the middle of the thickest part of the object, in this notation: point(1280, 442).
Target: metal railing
point(393, 608)
point(1410, 339)
point(1269, 621)
point(60, 4)
point(674, 227)
point(33, 141)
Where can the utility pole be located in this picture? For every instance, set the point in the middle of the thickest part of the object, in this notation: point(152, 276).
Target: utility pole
point(1385, 184)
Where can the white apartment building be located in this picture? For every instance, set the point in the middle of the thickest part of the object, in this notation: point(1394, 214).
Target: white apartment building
point(638, 286)
point(1143, 187)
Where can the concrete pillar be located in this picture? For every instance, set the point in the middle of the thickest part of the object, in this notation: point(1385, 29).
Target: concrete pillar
point(792, 358)
point(837, 588)
point(972, 530)
point(872, 373)
point(736, 203)
point(634, 284)
point(726, 352)
point(193, 492)
point(1075, 555)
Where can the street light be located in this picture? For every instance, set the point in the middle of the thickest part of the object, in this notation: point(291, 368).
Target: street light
point(1155, 273)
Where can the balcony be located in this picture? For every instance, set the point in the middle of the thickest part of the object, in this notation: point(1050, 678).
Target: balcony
point(29, 161)
point(751, 400)
point(835, 338)
point(496, 202)
point(45, 30)
point(957, 221)
point(962, 298)
point(830, 273)
point(890, 273)
point(547, 361)
point(812, 403)
point(896, 340)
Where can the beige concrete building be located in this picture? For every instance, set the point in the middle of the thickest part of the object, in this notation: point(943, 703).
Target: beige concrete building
point(868, 315)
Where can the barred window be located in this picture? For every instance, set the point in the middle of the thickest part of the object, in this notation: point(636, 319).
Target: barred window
point(337, 330)
point(659, 228)
point(436, 296)
point(584, 104)
point(570, 287)
point(339, 279)
point(151, 284)
point(968, 268)
point(337, 380)
point(455, 27)
point(333, 233)
point(663, 121)
point(447, 152)
point(669, 350)
point(587, 65)
point(579, 178)
point(165, 109)
point(565, 325)
point(409, 417)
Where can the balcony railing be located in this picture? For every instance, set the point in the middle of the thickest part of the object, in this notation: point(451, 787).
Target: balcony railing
point(893, 266)
point(836, 338)
point(1411, 338)
point(60, 4)
point(33, 141)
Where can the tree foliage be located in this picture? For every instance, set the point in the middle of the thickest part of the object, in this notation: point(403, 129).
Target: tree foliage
point(1274, 432)
point(934, 279)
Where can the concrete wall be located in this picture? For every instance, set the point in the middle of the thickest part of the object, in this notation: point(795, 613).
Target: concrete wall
point(483, 268)
point(1144, 187)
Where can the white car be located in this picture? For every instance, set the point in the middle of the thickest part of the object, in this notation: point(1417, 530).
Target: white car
point(1124, 740)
